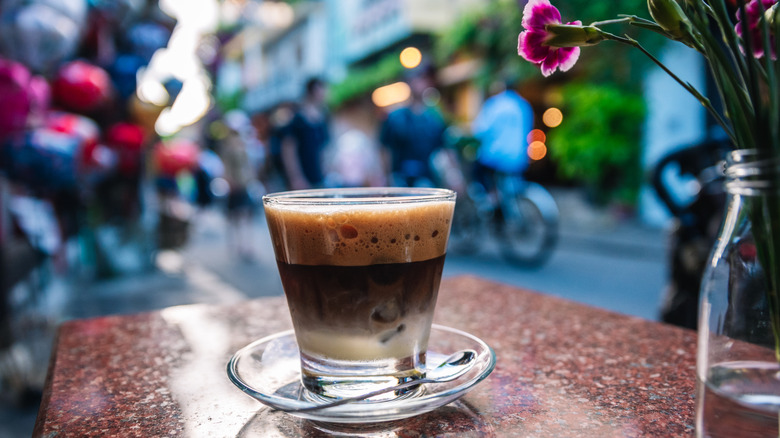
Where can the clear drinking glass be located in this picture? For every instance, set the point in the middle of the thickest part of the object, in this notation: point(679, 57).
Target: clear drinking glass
point(361, 271)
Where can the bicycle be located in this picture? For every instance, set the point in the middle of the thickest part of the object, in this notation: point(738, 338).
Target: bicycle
point(522, 216)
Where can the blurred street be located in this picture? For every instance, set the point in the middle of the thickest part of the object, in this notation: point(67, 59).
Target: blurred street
point(600, 260)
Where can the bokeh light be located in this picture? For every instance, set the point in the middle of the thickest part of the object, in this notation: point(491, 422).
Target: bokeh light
point(275, 15)
point(190, 106)
point(536, 135)
point(552, 117)
point(431, 96)
point(391, 94)
point(537, 150)
point(151, 91)
point(411, 57)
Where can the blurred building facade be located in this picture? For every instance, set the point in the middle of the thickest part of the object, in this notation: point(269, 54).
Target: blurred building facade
point(325, 38)
point(277, 61)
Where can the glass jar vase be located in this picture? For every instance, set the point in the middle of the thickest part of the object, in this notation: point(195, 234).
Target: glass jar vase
point(738, 363)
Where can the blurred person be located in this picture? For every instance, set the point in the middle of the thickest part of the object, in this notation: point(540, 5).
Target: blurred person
point(305, 138)
point(412, 133)
point(502, 127)
point(275, 177)
point(354, 161)
point(173, 160)
point(209, 168)
point(239, 174)
point(256, 151)
point(264, 133)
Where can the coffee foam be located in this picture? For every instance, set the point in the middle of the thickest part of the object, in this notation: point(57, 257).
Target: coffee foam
point(359, 235)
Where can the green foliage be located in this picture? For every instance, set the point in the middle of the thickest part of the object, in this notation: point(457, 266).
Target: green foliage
point(229, 101)
point(364, 80)
point(491, 33)
point(598, 141)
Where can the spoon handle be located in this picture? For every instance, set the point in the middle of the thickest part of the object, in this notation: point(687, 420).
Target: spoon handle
point(343, 401)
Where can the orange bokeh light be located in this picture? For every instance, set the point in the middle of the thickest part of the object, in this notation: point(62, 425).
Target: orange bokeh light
point(391, 94)
point(410, 57)
point(552, 117)
point(537, 150)
point(536, 135)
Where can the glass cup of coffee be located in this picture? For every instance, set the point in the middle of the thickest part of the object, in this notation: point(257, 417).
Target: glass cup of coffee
point(360, 269)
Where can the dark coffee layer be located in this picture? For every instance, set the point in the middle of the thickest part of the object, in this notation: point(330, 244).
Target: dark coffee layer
point(378, 307)
point(370, 299)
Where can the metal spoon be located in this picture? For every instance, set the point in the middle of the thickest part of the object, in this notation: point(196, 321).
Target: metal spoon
point(456, 365)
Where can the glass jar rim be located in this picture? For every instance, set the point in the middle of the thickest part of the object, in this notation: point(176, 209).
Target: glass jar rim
point(360, 196)
point(752, 172)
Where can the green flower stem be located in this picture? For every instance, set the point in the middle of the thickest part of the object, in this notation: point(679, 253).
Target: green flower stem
point(765, 218)
point(623, 19)
point(775, 94)
point(738, 112)
point(753, 83)
point(654, 27)
point(771, 78)
point(708, 8)
point(729, 56)
point(732, 91)
point(729, 35)
point(688, 87)
point(633, 19)
point(729, 68)
point(721, 17)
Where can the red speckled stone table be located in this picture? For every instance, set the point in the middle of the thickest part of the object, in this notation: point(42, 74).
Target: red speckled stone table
point(563, 369)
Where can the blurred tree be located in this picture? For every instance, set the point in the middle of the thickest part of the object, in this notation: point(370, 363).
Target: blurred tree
point(598, 141)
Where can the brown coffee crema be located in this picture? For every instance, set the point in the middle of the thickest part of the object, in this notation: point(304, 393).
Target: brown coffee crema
point(359, 235)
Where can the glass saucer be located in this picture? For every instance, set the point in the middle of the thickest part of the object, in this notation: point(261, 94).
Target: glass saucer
point(269, 371)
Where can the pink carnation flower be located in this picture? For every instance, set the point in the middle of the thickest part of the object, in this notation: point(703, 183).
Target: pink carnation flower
point(531, 42)
point(753, 12)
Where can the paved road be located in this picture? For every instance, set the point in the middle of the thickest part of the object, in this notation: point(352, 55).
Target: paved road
point(622, 280)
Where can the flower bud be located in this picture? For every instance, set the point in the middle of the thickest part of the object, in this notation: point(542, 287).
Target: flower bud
point(771, 17)
point(568, 35)
point(669, 15)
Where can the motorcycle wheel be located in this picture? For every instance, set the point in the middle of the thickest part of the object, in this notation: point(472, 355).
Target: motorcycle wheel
point(528, 231)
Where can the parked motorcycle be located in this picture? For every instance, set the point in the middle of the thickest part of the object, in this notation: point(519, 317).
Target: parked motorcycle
point(698, 214)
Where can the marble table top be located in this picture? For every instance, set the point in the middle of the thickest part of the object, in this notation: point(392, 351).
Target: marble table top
point(563, 369)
